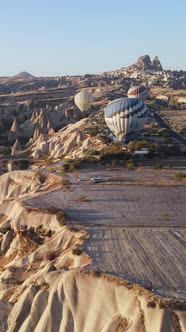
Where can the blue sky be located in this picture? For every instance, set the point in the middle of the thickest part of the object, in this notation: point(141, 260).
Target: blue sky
point(66, 37)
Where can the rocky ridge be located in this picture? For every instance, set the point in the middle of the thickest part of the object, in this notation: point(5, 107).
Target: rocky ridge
point(71, 141)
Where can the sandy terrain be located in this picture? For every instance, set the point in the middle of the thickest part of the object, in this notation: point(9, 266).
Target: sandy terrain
point(55, 281)
point(136, 231)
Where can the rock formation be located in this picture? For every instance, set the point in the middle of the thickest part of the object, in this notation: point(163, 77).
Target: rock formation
point(46, 284)
point(70, 141)
point(144, 63)
point(14, 131)
point(16, 148)
point(157, 64)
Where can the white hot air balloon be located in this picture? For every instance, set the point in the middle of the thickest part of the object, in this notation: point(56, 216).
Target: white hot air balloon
point(83, 100)
point(125, 117)
point(138, 91)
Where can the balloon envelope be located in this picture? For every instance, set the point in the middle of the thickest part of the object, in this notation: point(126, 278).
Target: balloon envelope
point(138, 91)
point(125, 116)
point(83, 100)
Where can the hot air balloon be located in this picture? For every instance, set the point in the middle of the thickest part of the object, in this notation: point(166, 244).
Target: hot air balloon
point(125, 117)
point(83, 100)
point(138, 91)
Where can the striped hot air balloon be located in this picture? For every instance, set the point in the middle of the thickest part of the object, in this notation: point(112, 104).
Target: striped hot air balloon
point(138, 91)
point(83, 100)
point(125, 117)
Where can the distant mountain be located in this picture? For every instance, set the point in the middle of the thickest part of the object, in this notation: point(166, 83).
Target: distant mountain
point(23, 74)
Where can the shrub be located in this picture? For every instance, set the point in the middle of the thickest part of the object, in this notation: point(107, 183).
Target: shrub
point(52, 210)
point(42, 178)
point(107, 140)
point(77, 251)
point(158, 166)
point(97, 273)
point(94, 131)
point(81, 198)
point(179, 176)
point(171, 102)
point(73, 229)
point(164, 216)
point(62, 217)
point(71, 165)
point(129, 164)
point(66, 183)
point(162, 305)
point(51, 255)
point(45, 156)
point(113, 151)
point(151, 304)
point(138, 145)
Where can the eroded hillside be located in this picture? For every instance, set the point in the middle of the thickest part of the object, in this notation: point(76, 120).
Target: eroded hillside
point(47, 281)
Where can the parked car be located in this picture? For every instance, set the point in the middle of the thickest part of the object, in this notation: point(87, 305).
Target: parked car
point(80, 179)
point(96, 179)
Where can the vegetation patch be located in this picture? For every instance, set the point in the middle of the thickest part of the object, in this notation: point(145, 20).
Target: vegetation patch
point(158, 166)
point(81, 198)
point(151, 304)
point(123, 324)
point(51, 255)
point(129, 164)
point(96, 273)
point(172, 304)
point(176, 322)
point(77, 251)
point(73, 229)
point(66, 183)
point(113, 151)
point(45, 156)
point(53, 210)
point(179, 176)
point(62, 217)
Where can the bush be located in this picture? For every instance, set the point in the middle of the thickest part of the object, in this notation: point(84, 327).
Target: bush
point(71, 165)
point(158, 166)
point(45, 156)
point(179, 176)
point(151, 304)
point(129, 164)
point(171, 102)
point(73, 229)
point(62, 217)
point(51, 255)
point(77, 251)
point(81, 198)
point(162, 305)
point(138, 145)
point(97, 273)
point(164, 216)
point(66, 183)
point(113, 151)
point(94, 131)
point(52, 210)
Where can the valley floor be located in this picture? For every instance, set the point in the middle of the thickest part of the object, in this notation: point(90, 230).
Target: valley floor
point(136, 222)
